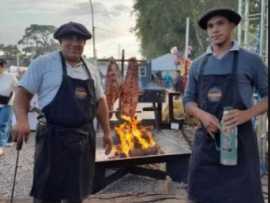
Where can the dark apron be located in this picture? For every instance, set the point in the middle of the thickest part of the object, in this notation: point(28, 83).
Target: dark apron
point(208, 180)
point(65, 142)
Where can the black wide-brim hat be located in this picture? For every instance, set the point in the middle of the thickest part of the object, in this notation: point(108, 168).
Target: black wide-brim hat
point(72, 28)
point(231, 15)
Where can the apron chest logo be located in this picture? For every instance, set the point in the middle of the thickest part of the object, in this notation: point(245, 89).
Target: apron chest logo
point(214, 94)
point(80, 93)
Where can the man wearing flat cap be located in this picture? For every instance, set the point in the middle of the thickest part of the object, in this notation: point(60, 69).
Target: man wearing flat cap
point(225, 76)
point(70, 96)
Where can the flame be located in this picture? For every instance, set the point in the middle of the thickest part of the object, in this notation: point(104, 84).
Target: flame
point(133, 137)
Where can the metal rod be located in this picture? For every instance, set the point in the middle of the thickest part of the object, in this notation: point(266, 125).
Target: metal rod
point(14, 178)
point(246, 25)
point(122, 74)
point(18, 59)
point(262, 27)
point(122, 63)
point(187, 38)
point(239, 29)
point(93, 28)
point(255, 15)
point(266, 27)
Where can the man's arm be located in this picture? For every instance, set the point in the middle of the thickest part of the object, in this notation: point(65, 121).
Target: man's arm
point(260, 108)
point(238, 117)
point(260, 81)
point(103, 118)
point(21, 109)
point(209, 121)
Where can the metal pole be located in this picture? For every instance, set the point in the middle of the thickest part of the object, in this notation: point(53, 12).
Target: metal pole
point(122, 63)
point(267, 26)
point(187, 38)
point(119, 51)
point(93, 28)
point(18, 148)
point(122, 74)
point(246, 23)
point(239, 28)
point(262, 27)
point(18, 59)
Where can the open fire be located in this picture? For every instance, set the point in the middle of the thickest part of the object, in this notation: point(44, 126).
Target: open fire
point(134, 139)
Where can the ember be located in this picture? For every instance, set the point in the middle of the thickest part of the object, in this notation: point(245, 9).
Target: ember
point(134, 139)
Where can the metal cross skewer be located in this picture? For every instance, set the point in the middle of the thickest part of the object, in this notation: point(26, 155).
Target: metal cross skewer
point(18, 148)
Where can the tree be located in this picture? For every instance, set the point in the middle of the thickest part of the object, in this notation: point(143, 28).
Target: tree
point(38, 39)
point(10, 53)
point(161, 24)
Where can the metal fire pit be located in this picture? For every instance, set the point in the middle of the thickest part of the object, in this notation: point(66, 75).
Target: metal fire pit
point(176, 155)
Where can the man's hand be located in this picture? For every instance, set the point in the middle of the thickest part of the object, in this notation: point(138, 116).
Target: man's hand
point(107, 143)
point(210, 122)
point(236, 117)
point(20, 133)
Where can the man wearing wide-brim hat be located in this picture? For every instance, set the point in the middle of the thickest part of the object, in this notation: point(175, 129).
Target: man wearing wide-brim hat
point(70, 96)
point(225, 76)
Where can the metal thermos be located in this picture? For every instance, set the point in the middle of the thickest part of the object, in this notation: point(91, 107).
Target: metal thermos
point(228, 142)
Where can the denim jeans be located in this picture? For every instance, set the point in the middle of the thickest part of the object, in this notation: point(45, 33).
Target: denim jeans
point(5, 118)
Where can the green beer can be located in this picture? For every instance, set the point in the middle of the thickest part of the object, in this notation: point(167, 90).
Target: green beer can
point(228, 142)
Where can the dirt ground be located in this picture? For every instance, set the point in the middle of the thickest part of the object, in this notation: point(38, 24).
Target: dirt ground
point(130, 188)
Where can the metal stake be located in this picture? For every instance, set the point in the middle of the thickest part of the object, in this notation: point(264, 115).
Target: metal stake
point(18, 148)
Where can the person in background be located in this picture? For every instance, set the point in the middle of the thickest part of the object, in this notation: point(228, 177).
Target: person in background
point(8, 83)
point(226, 75)
point(168, 80)
point(70, 96)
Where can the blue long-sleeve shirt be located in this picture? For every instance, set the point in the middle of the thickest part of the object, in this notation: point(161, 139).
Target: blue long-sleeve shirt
point(252, 74)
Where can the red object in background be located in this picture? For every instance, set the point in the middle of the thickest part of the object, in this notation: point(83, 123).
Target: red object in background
point(185, 65)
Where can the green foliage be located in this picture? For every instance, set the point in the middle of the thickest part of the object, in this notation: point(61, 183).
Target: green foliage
point(10, 50)
point(38, 39)
point(161, 24)
point(9, 53)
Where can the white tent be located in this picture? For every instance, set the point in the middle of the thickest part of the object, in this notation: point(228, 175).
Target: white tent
point(164, 63)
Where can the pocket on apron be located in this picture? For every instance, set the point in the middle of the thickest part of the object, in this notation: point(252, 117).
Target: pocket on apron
point(75, 142)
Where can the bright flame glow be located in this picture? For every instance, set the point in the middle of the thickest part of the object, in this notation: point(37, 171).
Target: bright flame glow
point(133, 138)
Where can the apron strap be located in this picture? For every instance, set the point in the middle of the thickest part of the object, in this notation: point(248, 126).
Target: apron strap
point(90, 77)
point(64, 66)
point(234, 77)
point(234, 64)
point(86, 68)
point(204, 62)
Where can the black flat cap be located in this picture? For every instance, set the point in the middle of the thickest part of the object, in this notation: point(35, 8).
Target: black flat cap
point(3, 61)
point(72, 28)
point(231, 15)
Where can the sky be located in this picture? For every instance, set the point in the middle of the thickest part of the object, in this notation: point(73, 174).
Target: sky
point(114, 21)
